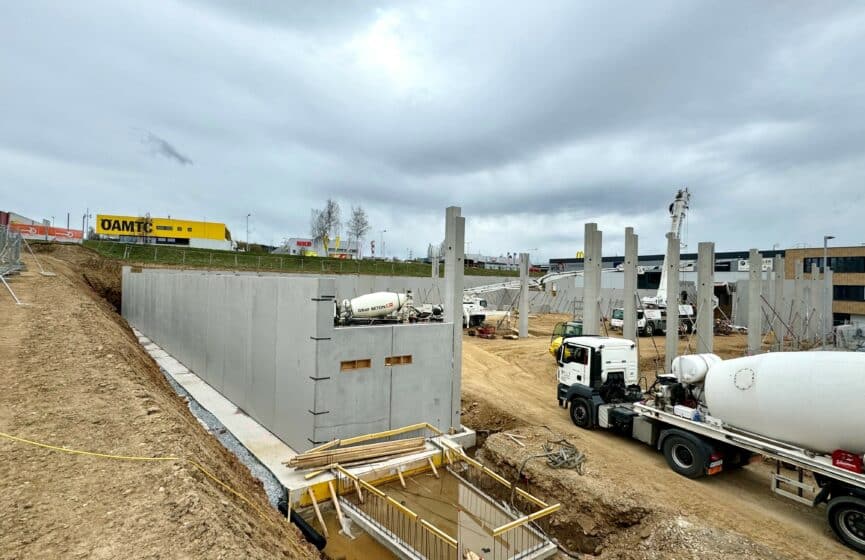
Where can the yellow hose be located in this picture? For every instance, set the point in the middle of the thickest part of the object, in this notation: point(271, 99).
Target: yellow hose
point(195, 464)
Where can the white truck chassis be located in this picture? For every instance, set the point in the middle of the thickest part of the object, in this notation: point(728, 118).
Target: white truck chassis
point(851, 530)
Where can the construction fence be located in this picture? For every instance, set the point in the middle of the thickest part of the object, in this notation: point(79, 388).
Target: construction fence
point(10, 251)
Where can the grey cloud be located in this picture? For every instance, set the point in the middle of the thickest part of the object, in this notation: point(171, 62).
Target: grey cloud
point(533, 119)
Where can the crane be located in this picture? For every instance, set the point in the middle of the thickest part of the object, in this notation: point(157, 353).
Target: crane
point(678, 210)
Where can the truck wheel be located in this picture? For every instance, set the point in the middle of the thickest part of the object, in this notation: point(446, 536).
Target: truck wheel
point(581, 413)
point(649, 330)
point(846, 515)
point(685, 457)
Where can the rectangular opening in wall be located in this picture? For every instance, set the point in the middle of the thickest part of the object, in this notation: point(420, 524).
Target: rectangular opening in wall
point(355, 364)
point(397, 360)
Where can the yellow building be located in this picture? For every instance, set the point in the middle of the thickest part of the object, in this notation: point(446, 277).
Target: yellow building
point(167, 231)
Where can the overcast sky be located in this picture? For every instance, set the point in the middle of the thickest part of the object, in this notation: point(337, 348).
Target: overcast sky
point(534, 117)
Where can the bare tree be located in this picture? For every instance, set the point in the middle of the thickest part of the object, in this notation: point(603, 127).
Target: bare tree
point(357, 226)
point(325, 223)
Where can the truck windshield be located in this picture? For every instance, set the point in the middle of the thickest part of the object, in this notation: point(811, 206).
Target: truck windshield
point(618, 313)
point(574, 330)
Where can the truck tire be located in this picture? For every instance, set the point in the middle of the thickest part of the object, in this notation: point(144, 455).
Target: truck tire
point(685, 456)
point(649, 330)
point(581, 413)
point(846, 515)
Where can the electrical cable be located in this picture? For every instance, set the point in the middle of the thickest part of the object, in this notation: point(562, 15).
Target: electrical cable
point(195, 464)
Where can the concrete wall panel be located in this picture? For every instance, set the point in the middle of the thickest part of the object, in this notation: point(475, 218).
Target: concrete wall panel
point(262, 386)
point(237, 306)
point(295, 363)
point(217, 332)
point(421, 391)
point(354, 401)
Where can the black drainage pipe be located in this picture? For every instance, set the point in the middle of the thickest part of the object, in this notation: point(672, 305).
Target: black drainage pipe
point(309, 533)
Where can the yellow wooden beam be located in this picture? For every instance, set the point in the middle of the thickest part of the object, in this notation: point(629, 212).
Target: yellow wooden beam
point(525, 519)
point(439, 533)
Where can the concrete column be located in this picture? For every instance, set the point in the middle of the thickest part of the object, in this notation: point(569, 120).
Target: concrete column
point(815, 303)
point(755, 318)
point(455, 227)
point(797, 313)
point(629, 322)
point(705, 295)
point(524, 295)
point(435, 267)
point(778, 302)
point(671, 346)
point(826, 304)
point(591, 281)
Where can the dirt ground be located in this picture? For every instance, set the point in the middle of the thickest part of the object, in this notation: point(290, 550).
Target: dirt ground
point(629, 504)
point(73, 376)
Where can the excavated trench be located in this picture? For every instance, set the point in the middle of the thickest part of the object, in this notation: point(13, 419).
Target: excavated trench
point(588, 522)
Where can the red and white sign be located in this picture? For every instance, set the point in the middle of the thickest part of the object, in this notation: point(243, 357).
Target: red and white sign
point(302, 243)
point(47, 233)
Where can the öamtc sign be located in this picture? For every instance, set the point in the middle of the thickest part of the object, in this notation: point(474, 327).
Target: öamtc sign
point(123, 225)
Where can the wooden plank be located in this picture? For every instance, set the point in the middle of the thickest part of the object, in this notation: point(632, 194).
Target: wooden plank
point(433, 467)
point(439, 533)
point(335, 499)
point(387, 433)
point(323, 446)
point(525, 519)
point(359, 493)
point(401, 479)
point(318, 512)
point(357, 453)
point(360, 448)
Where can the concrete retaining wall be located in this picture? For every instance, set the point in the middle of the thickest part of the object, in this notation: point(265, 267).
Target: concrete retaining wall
point(267, 342)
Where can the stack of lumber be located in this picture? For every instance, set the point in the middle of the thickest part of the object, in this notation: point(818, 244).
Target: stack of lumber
point(355, 454)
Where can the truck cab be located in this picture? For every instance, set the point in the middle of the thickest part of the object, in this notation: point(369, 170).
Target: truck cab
point(594, 371)
point(649, 321)
point(474, 311)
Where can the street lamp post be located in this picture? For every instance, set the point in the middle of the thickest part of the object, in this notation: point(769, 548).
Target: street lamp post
point(826, 286)
point(383, 252)
point(247, 232)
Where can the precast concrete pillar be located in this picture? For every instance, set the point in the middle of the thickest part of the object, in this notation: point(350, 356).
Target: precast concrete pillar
point(671, 342)
point(778, 302)
point(705, 297)
point(755, 317)
point(797, 306)
point(524, 295)
point(826, 304)
point(629, 320)
point(815, 299)
point(592, 280)
point(435, 267)
point(455, 228)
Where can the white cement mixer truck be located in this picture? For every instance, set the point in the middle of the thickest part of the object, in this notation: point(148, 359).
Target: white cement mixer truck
point(384, 307)
point(398, 307)
point(803, 410)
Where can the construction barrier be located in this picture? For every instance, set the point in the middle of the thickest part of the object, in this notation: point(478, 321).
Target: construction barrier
point(47, 233)
point(10, 251)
